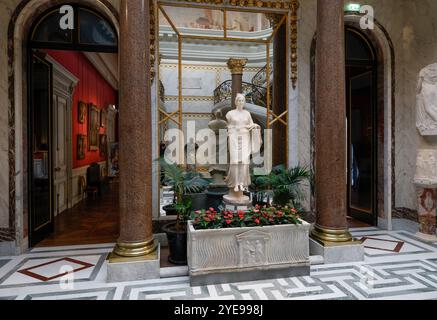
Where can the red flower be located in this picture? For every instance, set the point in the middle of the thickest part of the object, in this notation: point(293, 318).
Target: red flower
point(228, 222)
point(257, 221)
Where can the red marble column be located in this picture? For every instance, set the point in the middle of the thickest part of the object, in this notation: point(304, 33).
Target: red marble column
point(136, 235)
point(331, 149)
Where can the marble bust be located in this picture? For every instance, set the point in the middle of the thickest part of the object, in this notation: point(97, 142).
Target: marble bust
point(426, 119)
point(244, 139)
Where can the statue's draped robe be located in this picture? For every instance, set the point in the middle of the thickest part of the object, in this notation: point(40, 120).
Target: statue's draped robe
point(244, 139)
point(426, 119)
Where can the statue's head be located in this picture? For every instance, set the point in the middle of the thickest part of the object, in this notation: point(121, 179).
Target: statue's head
point(240, 101)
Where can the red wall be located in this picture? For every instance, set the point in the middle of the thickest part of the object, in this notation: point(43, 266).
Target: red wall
point(92, 88)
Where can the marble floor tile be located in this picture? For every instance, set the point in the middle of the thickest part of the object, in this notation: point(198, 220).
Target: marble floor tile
point(397, 266)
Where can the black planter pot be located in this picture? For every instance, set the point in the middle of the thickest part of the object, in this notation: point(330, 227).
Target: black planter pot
point(170, 210)
point(215, 198)
point(198, 200)
point(177, 243)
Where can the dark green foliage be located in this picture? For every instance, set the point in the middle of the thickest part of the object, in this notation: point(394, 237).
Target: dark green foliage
point(182, 183)
point(283, 185)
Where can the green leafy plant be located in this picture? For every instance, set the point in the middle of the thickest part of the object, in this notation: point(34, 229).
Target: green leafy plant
point(260, 190)
point(284, 185)
point(256, 217)
point(182, 183)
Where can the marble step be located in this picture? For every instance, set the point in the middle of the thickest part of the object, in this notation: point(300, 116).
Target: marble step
point(182, 271)
point(171, 272)
point(316, 260)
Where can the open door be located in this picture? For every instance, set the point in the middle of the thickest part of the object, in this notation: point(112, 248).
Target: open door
point(40, 150)
point(361, 88)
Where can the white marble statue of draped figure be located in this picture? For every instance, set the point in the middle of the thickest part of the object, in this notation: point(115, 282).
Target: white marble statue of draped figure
point(244, 138)
point(426, 120)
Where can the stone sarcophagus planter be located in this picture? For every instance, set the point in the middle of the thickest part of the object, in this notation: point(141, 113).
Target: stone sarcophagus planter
point(247, 254)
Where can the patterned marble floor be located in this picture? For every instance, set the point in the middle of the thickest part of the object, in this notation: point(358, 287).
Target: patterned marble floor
point(397, 266)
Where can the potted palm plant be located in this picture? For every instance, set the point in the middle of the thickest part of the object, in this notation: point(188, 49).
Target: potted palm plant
point(283, 186)
point(182, 183)
point(259, 188)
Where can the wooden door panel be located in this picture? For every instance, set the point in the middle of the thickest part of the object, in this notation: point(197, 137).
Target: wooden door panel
point(61, 175)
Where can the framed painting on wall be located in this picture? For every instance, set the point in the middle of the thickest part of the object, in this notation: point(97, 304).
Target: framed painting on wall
point(113, 160)
point(93, 127)
point(81, 112)
point(81, 145)
point(103, 114)
point(103, 142)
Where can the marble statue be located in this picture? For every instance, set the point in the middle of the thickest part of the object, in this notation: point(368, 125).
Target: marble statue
point(244, 138)
point(426, 119)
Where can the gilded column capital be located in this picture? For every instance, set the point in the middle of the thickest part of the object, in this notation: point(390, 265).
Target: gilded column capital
point(236, 65)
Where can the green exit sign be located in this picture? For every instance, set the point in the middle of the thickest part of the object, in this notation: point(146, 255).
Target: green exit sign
point(354, 7)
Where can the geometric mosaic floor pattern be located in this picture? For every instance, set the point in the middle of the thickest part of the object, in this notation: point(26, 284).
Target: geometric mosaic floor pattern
point(397, 266)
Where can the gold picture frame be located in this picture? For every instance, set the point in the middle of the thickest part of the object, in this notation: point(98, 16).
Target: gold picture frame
point(93, 127)
point(81, 145)
point(82, 111)
point(103, 114)
point(103, 145)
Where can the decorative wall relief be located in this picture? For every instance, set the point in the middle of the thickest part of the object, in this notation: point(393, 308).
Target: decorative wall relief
point(426, 167)
point(252, 248)
point(426, 120)
point(426, 187)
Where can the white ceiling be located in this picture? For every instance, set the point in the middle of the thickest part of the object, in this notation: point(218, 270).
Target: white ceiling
point(107, 65)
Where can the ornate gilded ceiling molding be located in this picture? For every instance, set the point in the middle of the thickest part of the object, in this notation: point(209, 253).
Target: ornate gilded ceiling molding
point(293, 41)
point(153, 30)
point(284, 4)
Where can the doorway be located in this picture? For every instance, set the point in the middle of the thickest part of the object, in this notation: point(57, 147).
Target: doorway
point(58, 151)
point(361, 111)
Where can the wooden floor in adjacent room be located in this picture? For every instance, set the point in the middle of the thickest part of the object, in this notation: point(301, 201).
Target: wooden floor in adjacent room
point(89, 222)
point(92, 222)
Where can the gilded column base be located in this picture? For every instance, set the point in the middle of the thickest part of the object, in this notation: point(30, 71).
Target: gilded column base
point(134, 251)
point(332, 237)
